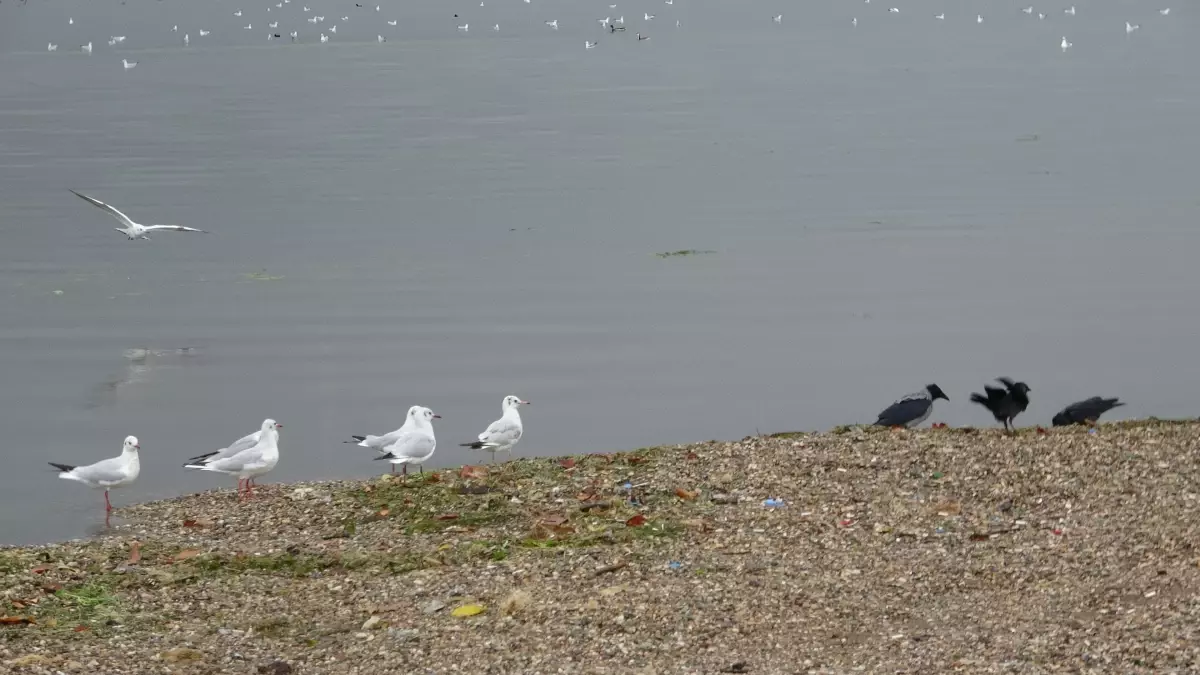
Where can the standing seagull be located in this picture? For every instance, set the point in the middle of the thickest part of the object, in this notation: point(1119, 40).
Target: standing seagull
point(107, 473)
point(1086, 411)
point(911, 409)
point(133, 230)
point(416, 445)
point(249, 463)
point(378, 443)
point(243, 443)
point(504, 433)
point(1007, 403)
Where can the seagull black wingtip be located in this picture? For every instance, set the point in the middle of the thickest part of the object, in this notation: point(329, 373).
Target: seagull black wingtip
point(62, 467)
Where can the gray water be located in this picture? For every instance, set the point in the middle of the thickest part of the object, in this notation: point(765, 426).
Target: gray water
point(448, 218)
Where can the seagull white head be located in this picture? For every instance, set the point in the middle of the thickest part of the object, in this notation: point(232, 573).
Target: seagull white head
point(513, 402)
point(271, 425)
point(131, 444)
point(423, 415)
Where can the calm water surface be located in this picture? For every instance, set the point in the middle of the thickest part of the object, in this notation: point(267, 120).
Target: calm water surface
point(448, 218)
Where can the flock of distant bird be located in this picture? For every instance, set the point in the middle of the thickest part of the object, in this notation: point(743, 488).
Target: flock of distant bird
point(1004, 403)
point(255, 454)
point(612, 25)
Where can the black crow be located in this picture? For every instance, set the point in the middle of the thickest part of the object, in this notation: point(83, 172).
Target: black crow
point(1005, 404)
point(1085, 412)
point(911, 409)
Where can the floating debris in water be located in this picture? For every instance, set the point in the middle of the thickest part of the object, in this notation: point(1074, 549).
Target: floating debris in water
point(685, 252)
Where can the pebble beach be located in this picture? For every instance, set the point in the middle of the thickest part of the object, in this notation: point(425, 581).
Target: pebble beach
point(854, 550)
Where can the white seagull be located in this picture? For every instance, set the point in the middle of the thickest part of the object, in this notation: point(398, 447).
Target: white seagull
point(1065, 45)
point(273, 25)
point(503, 434)
point(940, 17)
point(650, 17)
point(378, 443)
point(175, 28)
point(621, 20)
point(587, 44)
point(294, 34)
point(107, 473)
point(249, 26)
point(244, 443)
point(553, 24)
point(778, 18)
point(51, 47)
point(416, 444)
point(128, 65)
point(252, 462)
point(324, 37)
point(894, 10)
point(204, 32)
point(978, 18)
point(186, 39)
point(1130, 27)
point(333, 28)
point(380, 39)
point(1070, 10)
point(640, 37)
point(1028, 10)
point(238, 13)
point(604, 22)
point(854, 21)
point(70, 21)
point(392, 23)
point(87, 48)
point(1165, 12)
point(1041, 15)
point(466, 27)
point(312, 20)
point(496, 28)
point(132, 230)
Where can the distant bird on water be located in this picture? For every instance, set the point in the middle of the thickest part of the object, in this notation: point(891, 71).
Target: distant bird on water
point(1005, 404)
point(1086, 411)
point(911, 409)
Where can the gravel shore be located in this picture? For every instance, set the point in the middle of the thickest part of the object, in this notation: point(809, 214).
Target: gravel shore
point(933, 551)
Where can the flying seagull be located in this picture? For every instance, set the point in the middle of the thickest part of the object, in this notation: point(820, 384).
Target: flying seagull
point(1006, 403)
point(504, 433)
point(133, 230)
point(1086, 411)
point(911, 409)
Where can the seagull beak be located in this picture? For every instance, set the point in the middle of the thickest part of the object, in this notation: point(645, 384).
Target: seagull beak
point(278, 425)
point(138, 446)
point(437, 416)
point(524, 402)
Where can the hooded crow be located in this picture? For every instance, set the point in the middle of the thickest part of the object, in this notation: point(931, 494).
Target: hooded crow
point(1086, 411)
point(911, 409)
point(1006, 403)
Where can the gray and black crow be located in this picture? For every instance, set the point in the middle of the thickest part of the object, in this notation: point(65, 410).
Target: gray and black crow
point(1086, 411)
point(911, 409)
point(1006, 403)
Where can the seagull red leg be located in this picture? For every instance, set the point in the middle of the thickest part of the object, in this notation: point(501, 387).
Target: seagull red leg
point(107, 504)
